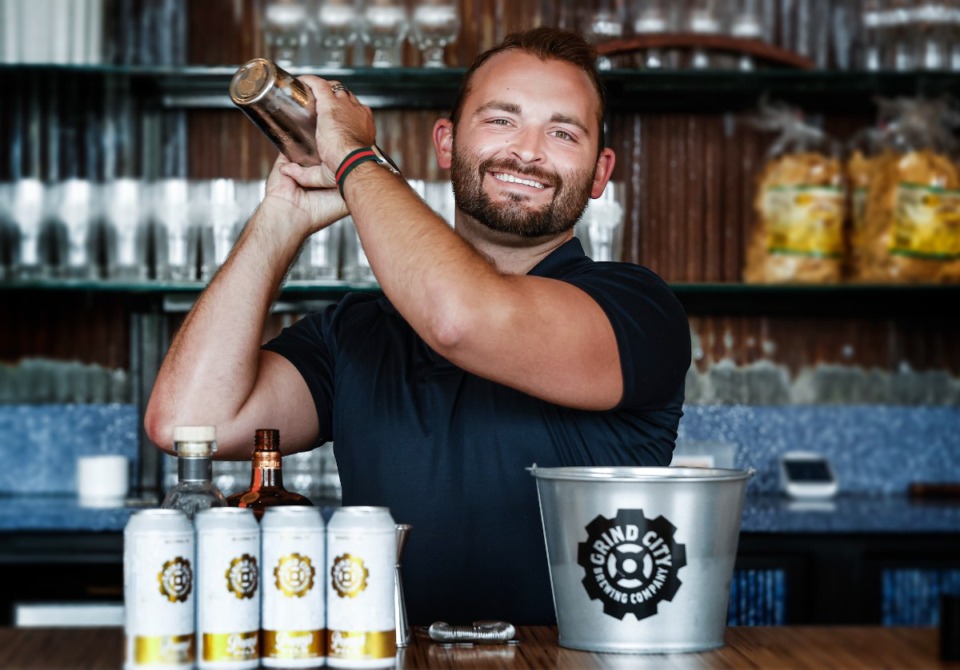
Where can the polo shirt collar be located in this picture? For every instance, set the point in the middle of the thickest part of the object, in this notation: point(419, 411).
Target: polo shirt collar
point(569, 251)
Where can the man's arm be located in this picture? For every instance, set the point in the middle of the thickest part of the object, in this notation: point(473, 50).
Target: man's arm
point(215, 372)
point(541, 336)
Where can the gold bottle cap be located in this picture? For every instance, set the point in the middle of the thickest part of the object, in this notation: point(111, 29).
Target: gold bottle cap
point(252, 81)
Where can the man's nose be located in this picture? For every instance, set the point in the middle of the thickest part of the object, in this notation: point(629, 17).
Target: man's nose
point(527, 145)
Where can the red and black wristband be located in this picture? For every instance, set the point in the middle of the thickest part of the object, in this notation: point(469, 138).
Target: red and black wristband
point(351, 161)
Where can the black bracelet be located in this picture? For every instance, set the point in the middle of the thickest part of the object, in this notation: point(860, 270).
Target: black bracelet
point(352, 160)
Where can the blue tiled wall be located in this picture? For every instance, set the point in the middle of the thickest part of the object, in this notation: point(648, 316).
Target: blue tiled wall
point(875, 449)
point(40, 443)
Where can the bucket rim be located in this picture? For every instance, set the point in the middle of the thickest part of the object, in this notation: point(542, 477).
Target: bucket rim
point(646, 474)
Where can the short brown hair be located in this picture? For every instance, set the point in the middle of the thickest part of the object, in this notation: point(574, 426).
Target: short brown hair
point(547, 44)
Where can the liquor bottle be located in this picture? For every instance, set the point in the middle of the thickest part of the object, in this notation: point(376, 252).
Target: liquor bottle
point(266, 481)
point(195, 490)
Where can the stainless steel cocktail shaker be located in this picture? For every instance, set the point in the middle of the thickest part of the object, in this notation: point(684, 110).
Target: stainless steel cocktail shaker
point(281, 106)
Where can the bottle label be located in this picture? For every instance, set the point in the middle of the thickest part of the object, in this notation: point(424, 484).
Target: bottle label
point(231, 646)
point(164, 649)
point(292, 644)
point(361, 645)
point(926, 222)
point(804, 220)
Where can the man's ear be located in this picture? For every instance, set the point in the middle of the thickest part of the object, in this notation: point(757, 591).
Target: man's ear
point(603, 172)
point(443, 142)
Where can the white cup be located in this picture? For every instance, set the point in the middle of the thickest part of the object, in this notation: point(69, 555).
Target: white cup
point(103, 480)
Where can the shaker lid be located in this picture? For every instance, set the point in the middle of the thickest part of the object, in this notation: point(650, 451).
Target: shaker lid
point(252, 80)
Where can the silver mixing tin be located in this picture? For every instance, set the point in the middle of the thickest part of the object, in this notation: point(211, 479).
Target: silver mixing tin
point(281, 106)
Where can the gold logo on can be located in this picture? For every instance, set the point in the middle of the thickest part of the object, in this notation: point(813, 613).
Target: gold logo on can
point(294, 574)
point(242, 576)
point(176, 580)
point(349, 576)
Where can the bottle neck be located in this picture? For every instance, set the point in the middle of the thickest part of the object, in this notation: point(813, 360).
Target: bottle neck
point(267, 470)
point(191, 469)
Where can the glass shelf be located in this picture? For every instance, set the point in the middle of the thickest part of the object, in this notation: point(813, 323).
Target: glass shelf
point(628, 90)
point(727, 299)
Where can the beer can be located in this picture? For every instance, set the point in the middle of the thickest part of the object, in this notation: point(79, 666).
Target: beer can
point(228, 577)
point(361, 561)
point(293, 606)
point(158, 590)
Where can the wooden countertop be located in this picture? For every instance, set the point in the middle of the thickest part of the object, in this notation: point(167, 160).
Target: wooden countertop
point(816, 648)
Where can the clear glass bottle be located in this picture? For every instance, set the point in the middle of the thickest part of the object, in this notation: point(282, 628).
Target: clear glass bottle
point(266, 480)
point(194, 490)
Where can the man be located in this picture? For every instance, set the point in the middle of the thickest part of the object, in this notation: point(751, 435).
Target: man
point(496, 345)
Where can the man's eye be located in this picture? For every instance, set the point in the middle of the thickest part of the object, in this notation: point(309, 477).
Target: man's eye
point(499, 122)
point(563, 135)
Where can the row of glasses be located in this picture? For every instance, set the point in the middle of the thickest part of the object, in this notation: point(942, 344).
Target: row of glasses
point(292, 27)
point(124, 229)
point(171, 229)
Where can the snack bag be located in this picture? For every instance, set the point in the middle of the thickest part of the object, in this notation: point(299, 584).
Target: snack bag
point(798, 235)
point(911, 227)
point(864, 159)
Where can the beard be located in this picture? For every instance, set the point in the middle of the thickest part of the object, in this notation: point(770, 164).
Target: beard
point(516, 216)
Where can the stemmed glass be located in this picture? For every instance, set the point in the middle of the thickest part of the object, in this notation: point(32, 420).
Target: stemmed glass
point(436, 23)
point(703, 18)
point(284, 32)
point(383, 25)
point(336, 30)
point(652, 17)
point(603, 21)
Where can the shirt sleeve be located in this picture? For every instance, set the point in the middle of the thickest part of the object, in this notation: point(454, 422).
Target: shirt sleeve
point(310, 345)
point(653, 334)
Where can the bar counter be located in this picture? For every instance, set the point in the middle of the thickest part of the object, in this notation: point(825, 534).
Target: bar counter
point(746, 647)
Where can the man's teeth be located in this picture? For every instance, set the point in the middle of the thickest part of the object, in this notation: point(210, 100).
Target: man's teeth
point(517, 180)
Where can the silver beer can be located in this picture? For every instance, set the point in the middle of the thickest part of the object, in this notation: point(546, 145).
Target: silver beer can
point(361, 560)
point(228, 577)
point(293, 610)
point(158, 590)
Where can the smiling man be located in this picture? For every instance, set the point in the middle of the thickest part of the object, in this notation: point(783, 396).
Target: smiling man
point(496, 345)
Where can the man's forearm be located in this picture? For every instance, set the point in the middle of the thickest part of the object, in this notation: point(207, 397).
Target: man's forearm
point(212, 365)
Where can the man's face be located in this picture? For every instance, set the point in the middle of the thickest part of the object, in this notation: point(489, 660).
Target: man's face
point(524, 153)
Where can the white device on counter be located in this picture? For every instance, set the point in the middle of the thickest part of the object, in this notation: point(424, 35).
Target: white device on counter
point(807, 474)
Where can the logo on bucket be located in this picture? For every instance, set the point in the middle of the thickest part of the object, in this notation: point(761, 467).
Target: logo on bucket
point(631, 563)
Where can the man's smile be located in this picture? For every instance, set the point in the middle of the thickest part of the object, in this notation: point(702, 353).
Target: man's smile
point(513, 179)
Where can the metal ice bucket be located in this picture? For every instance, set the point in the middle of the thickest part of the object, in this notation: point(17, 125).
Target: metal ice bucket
point(641, 558)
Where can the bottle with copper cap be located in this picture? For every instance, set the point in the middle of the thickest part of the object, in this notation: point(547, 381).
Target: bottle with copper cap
point(266, 482)
point(281, 106)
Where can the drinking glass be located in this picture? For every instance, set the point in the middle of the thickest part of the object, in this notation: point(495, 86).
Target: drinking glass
point(27, 215)
point(703, 18)
point(899, 23)
point(747, 23)
point(435, 24)
point(284, 30)
point(320, 257)
point(220, 225)
point(872, 19)
point(76, 203)
point(600, 230)
point(356, 266)
point(383, 24)
point(653, 17)
point(169, 228)
point(336, 30)
point(603, 21)
point(931, 32)
point(124, 229)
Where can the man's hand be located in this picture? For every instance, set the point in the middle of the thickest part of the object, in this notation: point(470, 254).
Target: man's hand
point(306, 199)
point(343, 122)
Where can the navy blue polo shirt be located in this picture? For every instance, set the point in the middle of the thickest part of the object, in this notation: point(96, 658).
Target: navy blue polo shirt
point(447, 451)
